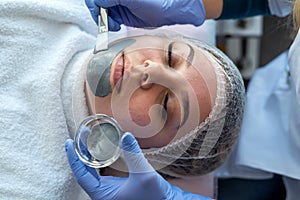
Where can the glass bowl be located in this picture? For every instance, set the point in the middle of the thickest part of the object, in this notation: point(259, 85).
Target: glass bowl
point(97, 141)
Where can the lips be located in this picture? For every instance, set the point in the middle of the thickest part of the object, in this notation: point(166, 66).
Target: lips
point(118, 69)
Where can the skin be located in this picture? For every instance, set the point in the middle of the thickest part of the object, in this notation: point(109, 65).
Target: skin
point(158, 73)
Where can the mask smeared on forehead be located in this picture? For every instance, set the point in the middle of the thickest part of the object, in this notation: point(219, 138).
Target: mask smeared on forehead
point(98, 69)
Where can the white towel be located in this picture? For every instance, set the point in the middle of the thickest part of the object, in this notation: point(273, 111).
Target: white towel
point(42, 43)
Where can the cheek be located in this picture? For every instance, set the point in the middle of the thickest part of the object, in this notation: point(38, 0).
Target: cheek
point(139, 111)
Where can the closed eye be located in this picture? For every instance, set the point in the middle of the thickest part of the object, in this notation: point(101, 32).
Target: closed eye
point(170, 54)
point(172, 59)
point(165, 104)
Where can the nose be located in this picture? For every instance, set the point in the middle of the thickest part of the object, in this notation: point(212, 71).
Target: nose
point(146, 76)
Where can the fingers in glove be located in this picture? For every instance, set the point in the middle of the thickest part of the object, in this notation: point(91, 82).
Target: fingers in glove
point(133, 155)
point(111, 3)
point(113, 25)
point(86, 177)
point(94, 9)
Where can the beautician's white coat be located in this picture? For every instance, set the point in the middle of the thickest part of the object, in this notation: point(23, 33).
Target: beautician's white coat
point(293, 185)
point(43, 45)
point(294, 62)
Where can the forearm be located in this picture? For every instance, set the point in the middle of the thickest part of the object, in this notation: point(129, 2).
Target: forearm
point(213, 8)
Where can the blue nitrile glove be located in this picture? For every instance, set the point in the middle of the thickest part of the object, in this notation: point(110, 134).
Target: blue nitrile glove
point(143, 181)
point(149, 13)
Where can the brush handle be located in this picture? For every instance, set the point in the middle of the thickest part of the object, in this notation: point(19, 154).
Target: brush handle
point(102, 21)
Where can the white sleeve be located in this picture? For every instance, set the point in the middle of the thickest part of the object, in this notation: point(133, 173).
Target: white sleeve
point(294, 63)
point(280, 8)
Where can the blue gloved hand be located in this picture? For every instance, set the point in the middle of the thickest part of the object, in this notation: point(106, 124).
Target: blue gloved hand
point(143, 181)
point(149, 13)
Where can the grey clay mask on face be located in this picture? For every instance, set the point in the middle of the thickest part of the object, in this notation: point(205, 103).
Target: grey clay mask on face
point(98, 69)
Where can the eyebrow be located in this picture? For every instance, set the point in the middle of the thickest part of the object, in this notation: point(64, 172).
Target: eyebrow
point(189, 58)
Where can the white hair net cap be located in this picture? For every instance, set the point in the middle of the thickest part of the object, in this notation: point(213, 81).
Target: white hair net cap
point(207, 146)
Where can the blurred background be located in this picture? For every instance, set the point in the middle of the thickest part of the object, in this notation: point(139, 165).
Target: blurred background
point(253, 42)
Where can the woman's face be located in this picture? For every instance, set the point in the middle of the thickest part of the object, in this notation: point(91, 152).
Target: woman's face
point(161, 89)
